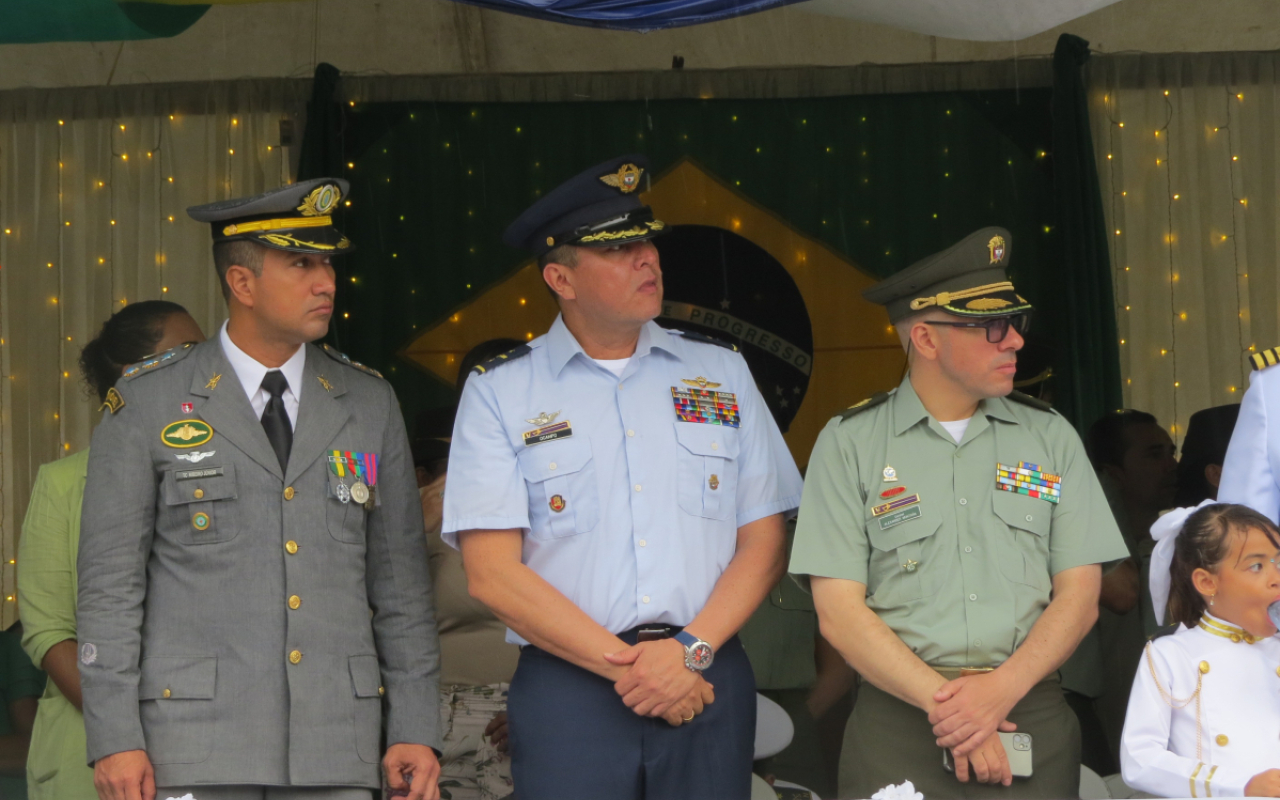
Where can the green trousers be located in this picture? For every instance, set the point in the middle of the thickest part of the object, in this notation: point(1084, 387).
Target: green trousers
point(889, 741)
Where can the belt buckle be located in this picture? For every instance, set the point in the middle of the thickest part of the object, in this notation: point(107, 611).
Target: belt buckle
point(966, 672)
point(653, 633)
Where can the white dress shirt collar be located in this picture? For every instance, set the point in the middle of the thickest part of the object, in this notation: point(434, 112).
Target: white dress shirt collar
point(251, 372)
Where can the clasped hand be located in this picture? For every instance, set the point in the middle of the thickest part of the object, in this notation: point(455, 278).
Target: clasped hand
point(969, 710)
point(658, 684)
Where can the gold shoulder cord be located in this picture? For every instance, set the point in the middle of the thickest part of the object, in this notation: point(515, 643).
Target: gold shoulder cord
point(1174, 703)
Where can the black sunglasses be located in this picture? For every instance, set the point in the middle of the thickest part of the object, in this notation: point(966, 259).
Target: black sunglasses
point(997, 327)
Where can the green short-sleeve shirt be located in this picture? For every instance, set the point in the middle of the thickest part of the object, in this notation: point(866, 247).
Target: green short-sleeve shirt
point(959, 568)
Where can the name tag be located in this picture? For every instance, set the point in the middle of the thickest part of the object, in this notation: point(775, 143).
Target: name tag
point(549, 433)
point(899, 517)
point(193, 474)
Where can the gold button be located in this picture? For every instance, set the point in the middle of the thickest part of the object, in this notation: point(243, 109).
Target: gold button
point(295, 657)
point(1204, 667)
point(167, 693)
point(294, 602)
point(199, 493)
point(291, 547)
point(288, 493)
point(381, 691)
point(1222, 740)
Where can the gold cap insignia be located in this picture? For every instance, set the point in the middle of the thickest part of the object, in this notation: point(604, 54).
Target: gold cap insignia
point(700, 382)
point(543, 418)
point(322, 201)
point(113, 402)
point(625, 180)
point(996, 248)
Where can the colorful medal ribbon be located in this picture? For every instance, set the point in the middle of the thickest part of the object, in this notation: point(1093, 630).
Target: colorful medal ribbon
point(370, 461)
point(706, 406)
point(1028, 479)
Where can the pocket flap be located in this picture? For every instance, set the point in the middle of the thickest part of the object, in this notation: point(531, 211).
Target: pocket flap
point(1025, 513)
point(182, 677)
point(199, 484)
point(540, 462)
point(366, 677)
point(910, 529)
point(708, 440)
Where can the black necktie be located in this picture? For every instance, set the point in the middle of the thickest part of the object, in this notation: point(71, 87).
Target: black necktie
point(275, 421)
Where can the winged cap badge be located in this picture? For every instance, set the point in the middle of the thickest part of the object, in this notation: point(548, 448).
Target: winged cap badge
point(543, 418)
point(625, 180)
point(701, 383)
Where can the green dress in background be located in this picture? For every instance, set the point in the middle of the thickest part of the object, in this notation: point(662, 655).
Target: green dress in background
point(56, 768)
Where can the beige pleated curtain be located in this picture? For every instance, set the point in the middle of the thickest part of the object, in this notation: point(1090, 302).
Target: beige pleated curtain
point(93, 190)
point(1187, 150)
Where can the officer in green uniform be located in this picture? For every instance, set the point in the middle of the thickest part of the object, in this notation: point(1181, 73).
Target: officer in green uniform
point(952, 531)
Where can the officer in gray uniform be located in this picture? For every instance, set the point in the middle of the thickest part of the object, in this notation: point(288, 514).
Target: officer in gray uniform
point(254, 601)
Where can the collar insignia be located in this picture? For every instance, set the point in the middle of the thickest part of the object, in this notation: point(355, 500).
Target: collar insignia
point(213, 382)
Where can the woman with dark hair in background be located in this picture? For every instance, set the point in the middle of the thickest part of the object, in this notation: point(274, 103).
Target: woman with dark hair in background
point(47, 555)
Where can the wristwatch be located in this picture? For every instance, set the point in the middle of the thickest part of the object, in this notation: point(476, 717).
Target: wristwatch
point(698, 655)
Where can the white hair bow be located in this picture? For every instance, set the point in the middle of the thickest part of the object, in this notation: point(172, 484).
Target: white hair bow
point(1165, 533)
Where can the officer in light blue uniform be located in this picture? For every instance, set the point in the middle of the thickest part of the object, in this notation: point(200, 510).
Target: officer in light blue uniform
point(619, 488)
point(1252, 467)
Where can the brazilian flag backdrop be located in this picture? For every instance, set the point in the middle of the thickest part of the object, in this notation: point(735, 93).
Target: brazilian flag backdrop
point(879, 180)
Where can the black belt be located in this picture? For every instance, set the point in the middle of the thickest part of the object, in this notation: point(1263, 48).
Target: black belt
point(653, 632)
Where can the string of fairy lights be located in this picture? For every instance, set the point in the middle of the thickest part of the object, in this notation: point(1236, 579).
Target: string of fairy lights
point(73, 144)
point(1118, 196)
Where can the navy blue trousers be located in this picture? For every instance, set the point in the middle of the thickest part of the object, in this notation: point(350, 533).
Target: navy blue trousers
point(572, 738)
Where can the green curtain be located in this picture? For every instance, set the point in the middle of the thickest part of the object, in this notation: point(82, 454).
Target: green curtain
point(882, 179)
point(1091, 363)
point(29, 21)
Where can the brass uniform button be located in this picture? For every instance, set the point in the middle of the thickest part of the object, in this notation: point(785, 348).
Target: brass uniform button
point(1278, 672)
point(381, 691)
point(295, 602)
point(167, 693)
point(288, 493)
point(295, 657)
point(1204, 667)
point(291, 547)
point(199, 493)
point(1222, 740)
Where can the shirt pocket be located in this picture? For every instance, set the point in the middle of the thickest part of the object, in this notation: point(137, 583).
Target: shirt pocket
point(200, 504)
point(562, 476)
point(900, 567)
point(366, 711)
point(176, 696)
point(346, 521)
point(1026, 558)
point(707, 470)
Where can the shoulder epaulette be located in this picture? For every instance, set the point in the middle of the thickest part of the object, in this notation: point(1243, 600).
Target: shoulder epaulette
point(497, 361)
point(699, 337)
point(862, 405)
point(164, 359)
point(343, 358)
point(1267, 358)
point(1164, 630)
point(1028, 400)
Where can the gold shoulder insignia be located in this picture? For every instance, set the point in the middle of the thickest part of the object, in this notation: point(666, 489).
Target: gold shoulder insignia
point(1028, 400)
point(343, 358)
point(114, 402)
point(1267, 358)
point(863, 405)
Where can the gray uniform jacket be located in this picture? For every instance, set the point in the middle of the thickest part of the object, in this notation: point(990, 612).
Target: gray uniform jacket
point(239, 624)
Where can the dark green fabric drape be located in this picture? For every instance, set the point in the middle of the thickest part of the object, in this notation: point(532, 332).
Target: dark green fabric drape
point(882, 179)
point(30, 21)
point(1091, 358)
point(321, 153)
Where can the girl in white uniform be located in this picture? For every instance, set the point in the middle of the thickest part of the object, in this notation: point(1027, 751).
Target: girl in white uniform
point(1204, 715)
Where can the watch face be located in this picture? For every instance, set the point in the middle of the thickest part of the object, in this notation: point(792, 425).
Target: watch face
point(700, 656)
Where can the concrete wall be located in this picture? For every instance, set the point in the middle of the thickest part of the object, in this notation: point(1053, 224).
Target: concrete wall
point(432, 37)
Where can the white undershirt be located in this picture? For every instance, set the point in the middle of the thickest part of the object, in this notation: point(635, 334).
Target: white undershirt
point(956, 428)
point(614, 365)
point(251, 372)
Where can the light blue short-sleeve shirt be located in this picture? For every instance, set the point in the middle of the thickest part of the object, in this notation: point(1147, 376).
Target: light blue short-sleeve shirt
point(627, 508)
